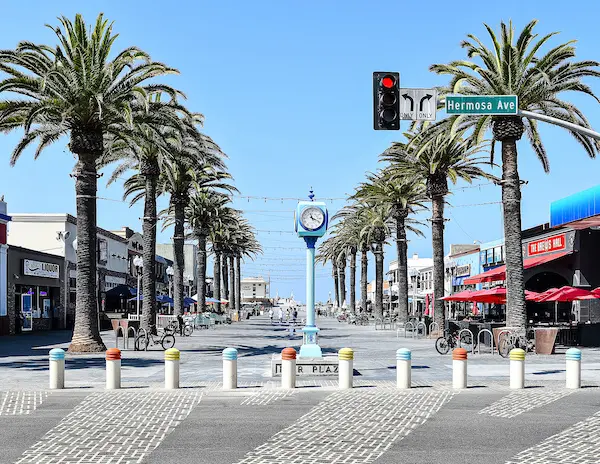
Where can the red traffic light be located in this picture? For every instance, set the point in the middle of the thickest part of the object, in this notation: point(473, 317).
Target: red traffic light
point(388, 82)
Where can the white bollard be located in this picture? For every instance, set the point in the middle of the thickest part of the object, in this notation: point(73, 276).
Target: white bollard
point(230, 368)
point(57, 369)
point(403, 366)
point(172, 356)
point(517, 368)
point(346, 368)
point(459, 368)
point(288, 368)
point(113, 369)
point(573, 360)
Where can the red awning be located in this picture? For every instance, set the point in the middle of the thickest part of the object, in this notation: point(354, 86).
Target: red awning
point(499, 273)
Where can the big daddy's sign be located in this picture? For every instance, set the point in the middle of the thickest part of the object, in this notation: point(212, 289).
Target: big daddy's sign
point(547, 245)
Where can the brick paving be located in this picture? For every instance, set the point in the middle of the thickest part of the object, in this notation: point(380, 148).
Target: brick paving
point(519, 401)
point(15, 402)
point(113, 427)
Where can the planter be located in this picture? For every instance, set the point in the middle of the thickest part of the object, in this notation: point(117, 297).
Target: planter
point(545, 339)
point(496, 331)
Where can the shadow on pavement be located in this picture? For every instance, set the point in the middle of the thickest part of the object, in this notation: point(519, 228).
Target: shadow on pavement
point(33, 344)
point(80, 363)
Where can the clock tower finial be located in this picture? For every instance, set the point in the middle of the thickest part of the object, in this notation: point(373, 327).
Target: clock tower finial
point(311, 195)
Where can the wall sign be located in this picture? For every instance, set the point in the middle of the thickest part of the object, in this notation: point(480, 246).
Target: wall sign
point(547, 245)
point(41, 269)
point(464, 270)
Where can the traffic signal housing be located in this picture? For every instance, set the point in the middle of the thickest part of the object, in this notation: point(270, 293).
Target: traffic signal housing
point(386, 101)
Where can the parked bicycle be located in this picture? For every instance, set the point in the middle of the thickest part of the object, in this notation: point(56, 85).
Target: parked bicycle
point(510, 340)
point(174, 328)
point(166, 340)
point(450, 341)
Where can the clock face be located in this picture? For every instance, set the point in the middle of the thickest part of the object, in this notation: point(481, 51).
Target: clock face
point(312, 218)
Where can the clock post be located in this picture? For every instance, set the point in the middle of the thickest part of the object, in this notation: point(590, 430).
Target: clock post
point(310, 220)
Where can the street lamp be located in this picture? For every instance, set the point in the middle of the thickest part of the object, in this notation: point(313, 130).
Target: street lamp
point(170, 272)
point(138, 262)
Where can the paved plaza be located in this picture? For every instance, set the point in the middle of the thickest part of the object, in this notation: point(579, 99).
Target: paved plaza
point(315, 423)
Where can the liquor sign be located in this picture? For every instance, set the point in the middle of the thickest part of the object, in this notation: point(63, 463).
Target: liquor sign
point(547, 245)
point(40, 269)
point(463, 270)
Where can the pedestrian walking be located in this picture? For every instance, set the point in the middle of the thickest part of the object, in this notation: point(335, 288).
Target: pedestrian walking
point(287, 315)
point(295, 315)
point(271, 315)
point(280, 315)
point(180, 323)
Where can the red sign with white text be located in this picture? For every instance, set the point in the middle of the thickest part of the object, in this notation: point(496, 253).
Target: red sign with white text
point(546, 245)
point(3, 234)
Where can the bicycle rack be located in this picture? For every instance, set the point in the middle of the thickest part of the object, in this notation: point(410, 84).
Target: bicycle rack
point(480, 340)
point(431, 328)
point(400, 326)
point(420, 324)
point(379, 322)
point(505, 331)
point(472, 338)
point(139, 335)
point(412, 329)
point(127, 337)
point(117, 330)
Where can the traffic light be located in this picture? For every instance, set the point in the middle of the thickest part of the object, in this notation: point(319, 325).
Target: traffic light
point(386, 101)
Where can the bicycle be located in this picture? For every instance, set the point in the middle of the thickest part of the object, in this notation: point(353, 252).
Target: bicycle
point(511, 340)
point(175, 328)
point(450, 340)
point(143, 340)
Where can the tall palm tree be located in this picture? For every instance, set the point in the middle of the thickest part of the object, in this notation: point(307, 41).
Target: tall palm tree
point(328, 252)
point(219, 235)
point(342, 261)
point(405, 196)
point(84, 89)
point(203, 210)
point(518, 67)
point(436, 159)
point(195, 162)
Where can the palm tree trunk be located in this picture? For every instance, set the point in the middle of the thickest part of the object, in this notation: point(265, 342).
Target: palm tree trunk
point(148, 321)
point(342, 273)
point(437, 239)
point(336, 281)
point(353, 281)
point(516, 311)
point(231, 283)
point(364, 268)
point(201, 254)
point(238, 284)
point(217, 280)
point(225, 278)
point(178, 262)
point(86, 334)
point(401, 246)
point(378, 279)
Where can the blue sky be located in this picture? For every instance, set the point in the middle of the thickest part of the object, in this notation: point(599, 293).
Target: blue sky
point(286, 91)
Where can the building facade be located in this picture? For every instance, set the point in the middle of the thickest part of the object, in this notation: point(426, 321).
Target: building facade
point(190, 260)
point(35, 290)
point(254, 289)
point(4, 220)
point(56, 234)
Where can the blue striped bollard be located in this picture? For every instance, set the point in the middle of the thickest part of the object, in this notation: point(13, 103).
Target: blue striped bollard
point(573, 360)
point(230, 356)
point(403, 366)
point(57, 369)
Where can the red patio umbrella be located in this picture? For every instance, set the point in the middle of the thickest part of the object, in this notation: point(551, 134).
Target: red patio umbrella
point(465, 295)
point(426, 305)
point(565, 294)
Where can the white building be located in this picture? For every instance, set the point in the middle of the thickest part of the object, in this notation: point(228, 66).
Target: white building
point(254, 288)
point(420, 279)
point(190, 260)
point(57, 234)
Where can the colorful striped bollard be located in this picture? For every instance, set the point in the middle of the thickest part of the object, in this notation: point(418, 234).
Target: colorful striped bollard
point(230, 368)
point(172, 356)
point(573, 360)
point(346, 368)
point(403, 366)
point(113, 369)
point(57, 369)
point(288, 368)
point(459, 368)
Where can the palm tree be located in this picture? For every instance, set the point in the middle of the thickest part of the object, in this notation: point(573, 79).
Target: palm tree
point(203, 210)
point(328, 252)
point(538, 80)
point(83, 89)
point(405, 196)
point(341, 266)
point(219, 234)
point(436, 159)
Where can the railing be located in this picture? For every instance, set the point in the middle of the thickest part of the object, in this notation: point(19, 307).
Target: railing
point(163, 320)
point(133, 317)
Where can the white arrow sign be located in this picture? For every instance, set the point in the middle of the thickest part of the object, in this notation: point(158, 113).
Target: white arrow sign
point(418, 104)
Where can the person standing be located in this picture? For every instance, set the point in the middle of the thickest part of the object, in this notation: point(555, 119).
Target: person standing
point(271, 315)
point(295, 316)
point(280, 315)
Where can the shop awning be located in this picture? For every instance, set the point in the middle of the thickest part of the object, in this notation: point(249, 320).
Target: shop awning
point(499, 273)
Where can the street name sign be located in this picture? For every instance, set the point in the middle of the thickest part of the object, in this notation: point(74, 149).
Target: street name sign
point(418, 104)
point(491, 105)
